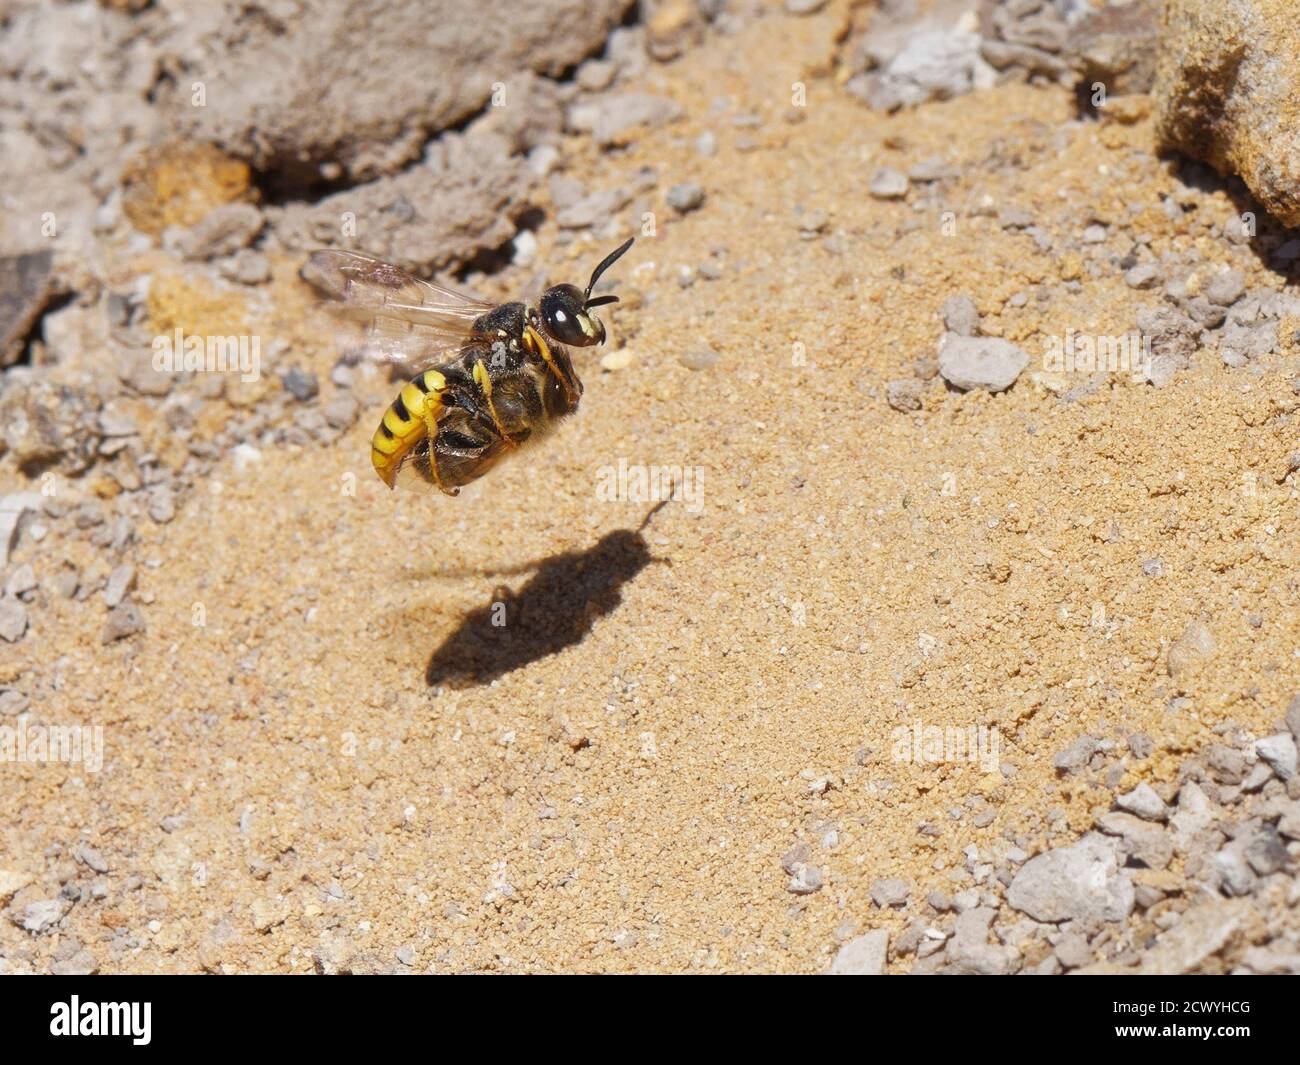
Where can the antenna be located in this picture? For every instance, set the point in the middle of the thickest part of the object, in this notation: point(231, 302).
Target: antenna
point(605, 264)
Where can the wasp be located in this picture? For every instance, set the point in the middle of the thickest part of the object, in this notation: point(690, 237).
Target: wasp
point(510, 380)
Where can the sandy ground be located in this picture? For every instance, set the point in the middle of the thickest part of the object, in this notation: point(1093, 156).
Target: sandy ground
point(609, 781)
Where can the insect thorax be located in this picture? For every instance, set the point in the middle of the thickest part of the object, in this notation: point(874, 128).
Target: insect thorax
point(507, 319)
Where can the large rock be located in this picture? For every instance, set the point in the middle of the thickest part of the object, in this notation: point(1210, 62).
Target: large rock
point(364, 86)
point(463, 197)
point(1079, 882)
point(26, 288)
point(1228, 92)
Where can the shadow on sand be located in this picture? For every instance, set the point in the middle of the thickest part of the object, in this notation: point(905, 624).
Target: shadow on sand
point(554, 609)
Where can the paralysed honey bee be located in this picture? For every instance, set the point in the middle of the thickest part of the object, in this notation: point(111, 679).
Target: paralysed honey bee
point(510, 380)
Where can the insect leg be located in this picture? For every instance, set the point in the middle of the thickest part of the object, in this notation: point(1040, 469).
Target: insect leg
point(484, 381)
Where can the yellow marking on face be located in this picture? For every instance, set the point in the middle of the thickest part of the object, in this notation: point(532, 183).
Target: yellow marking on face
point(584, 323)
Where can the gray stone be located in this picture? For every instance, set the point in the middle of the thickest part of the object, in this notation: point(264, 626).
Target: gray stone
point(961, 316)
point(989, 363)
point(1279, 751)
point(1204, 930)
point(1143, 801)
point(1077, 754)
point(1082, 881)
point(864, 956)
point(246, 267)
point(1193, 816)
point(341, 412)
point(1114, 45)
point(21, 581)
point(303, 386)
point(1194, 645)
point(593, 209)
point(124, 620)
point(1226, 287)
point(699, 359)
point(1232, 866)
point(468, 186)
point(1227, 764)
point(1265, 852)
point(1073, 952)
point(610, 119)
point(27, 285)
point(891, 892)
point(888, 184)
point(162, 504)
point(1144, 275)
point(1141, 746)
point(223, 231)
point(13, 507)
point(13, 620)
point(805, 879)
point(1142, 840)
point(1293, 717)
point(120, 582)
point(91, 858)
point(82, 963)
point(359, 88)
point(685, 198)
point(969, 951)
point(1228, 75)
point(41, 916)
point(930, 62)
point(904, 394)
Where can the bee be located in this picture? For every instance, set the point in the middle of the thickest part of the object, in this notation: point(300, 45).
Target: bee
point(508, 383)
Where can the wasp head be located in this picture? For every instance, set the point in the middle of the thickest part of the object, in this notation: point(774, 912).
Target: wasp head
point(566, 309)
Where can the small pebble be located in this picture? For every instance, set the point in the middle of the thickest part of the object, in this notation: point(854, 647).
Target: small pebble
point(124, 620)
point(162, 504)
point(1144, 275)
point(616, 360)
point(888, 184)
point(805, 879)
point(341, 412)
point(904, 394)
point(21, 581)
point(961, 316)
point(13, 620)
point(596, 75)
point(685, 198)
point(1144, 802)
point(120, 582)
point(302, 385)
point(699, 359)
point(1225, 288)
point(891, 892)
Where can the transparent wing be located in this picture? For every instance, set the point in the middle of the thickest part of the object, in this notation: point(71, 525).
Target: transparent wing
point(407, 320)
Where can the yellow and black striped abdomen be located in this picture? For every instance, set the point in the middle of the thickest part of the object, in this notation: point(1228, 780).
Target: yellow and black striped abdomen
point(406, 423)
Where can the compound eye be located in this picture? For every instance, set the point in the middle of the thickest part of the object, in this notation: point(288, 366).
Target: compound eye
point(566, 321)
